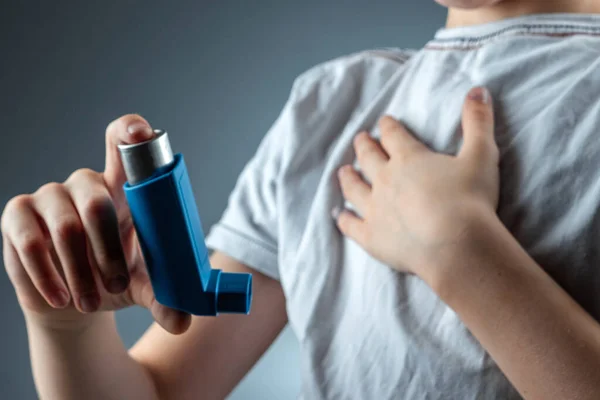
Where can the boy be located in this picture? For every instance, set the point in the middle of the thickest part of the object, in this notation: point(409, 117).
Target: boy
point(366, 332)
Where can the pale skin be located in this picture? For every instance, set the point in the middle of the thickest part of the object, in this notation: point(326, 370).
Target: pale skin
point(542, 340)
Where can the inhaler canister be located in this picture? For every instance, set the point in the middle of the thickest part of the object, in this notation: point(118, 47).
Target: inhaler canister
point(169, 230)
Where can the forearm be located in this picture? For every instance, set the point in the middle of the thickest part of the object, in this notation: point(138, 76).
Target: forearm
point(90, 363)
point(544, 342)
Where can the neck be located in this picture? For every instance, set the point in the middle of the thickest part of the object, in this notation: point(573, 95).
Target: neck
point(514, 8)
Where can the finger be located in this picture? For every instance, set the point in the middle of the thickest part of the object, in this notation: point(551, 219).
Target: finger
point(22, 228)
point(173, 321)
point(370, 155)
point(354, 188)
point(53, 204)
point(396, 140)
point(97, 212)
point(479, 143)
point(128, 129)
point(351, 226)
point(27, 294)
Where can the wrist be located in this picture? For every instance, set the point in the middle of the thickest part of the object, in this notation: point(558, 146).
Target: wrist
point(447, 270)
point(65, 326)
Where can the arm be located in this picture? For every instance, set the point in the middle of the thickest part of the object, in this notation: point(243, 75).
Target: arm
point(544, 342)
point(208, 360)
point(89, 363)
point(215, 353)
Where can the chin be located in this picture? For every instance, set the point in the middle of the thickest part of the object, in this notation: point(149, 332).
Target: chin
point(468, 4)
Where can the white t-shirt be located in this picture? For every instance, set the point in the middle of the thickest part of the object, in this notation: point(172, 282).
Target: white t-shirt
point(365, 331)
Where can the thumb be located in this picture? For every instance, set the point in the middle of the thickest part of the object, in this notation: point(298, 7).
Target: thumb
point(479, 143)
point(128, 129)
point(172, 320)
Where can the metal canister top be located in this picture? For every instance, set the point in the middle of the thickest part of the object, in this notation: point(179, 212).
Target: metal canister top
point(141, 160)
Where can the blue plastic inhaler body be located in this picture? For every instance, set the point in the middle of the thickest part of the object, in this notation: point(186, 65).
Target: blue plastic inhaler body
point(169, 230)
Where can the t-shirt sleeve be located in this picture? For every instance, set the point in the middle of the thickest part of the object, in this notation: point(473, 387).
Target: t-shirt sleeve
point(247, 230)
point(321, 101)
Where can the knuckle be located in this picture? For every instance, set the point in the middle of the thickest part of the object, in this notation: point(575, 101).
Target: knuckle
point(357, 181)
point(83, 175)
point(345, 172)
point(96, 207)
point(18, 203)
point(366, 147)
point(68, 227)
point(363, 139)
point(29, 242)
point(386, 122)
point(14, 206)
point(480, 114)
point(365, 151)
point(349, 182)
point(385, 119)
point(358, 144)
point(351, 175)
point(48, 189)
point(386, 134)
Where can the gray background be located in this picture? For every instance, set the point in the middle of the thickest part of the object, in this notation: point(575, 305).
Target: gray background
point(214, 74)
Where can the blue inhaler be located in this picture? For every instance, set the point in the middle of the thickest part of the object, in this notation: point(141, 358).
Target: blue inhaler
point(169, 231)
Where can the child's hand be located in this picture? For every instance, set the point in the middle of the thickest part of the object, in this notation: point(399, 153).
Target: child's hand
point(420, 204)
point(70, 248)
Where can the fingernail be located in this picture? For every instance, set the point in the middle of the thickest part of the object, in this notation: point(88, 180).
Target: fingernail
point(88, 303)
point(480, 94)
point(117, 284)
point(139, 127)
point(60, 299)
point(335, 212)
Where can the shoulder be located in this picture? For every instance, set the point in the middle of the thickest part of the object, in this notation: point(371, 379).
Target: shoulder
point(326, 97)
point(367, 70)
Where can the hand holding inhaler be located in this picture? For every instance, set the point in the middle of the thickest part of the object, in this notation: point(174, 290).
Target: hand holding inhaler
point(74, 248)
